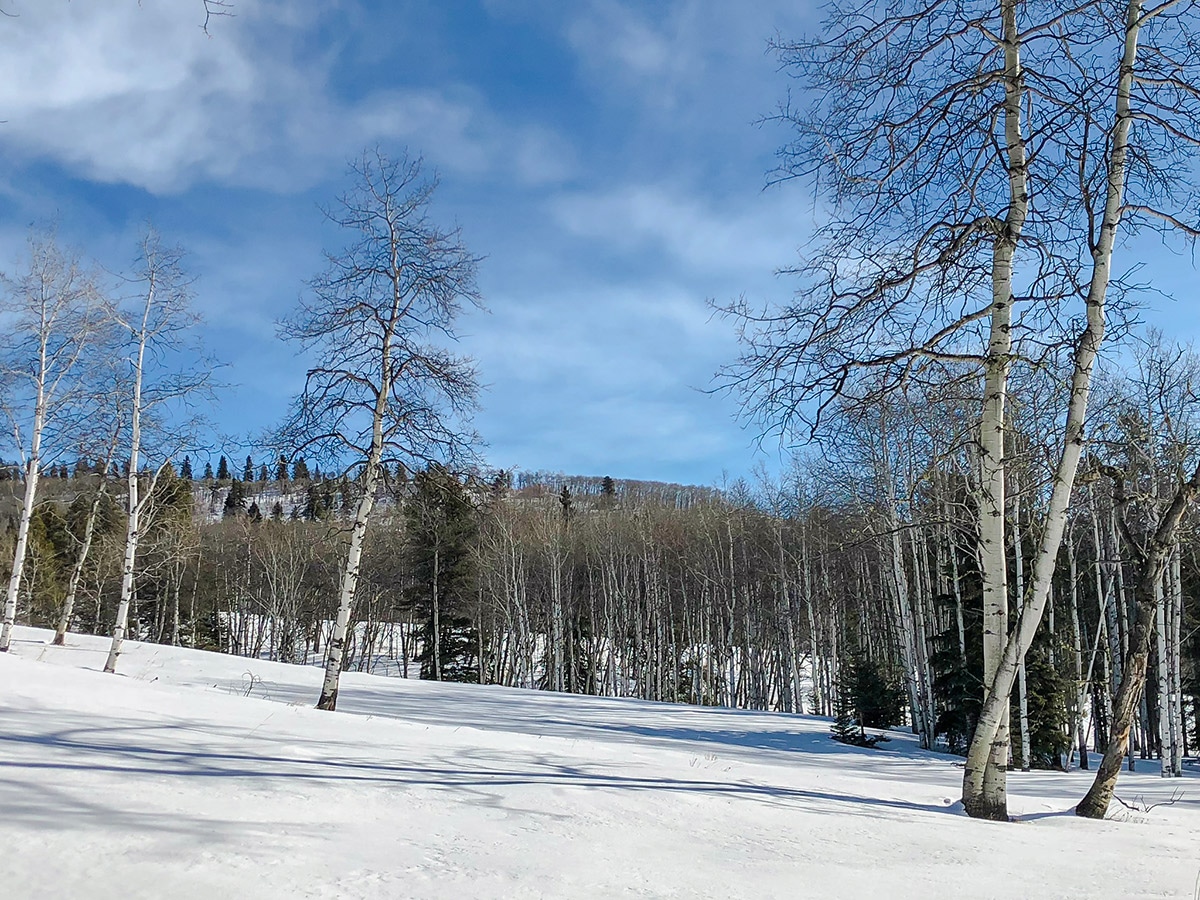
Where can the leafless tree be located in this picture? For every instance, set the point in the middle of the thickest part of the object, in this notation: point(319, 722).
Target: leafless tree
point(55, 317)
point(383, 387)
point(158, 326)
point(979, 162)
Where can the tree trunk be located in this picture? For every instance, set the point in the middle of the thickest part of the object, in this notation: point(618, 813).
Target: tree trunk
point(85, 546)
point(981, 796)
point(336, 645)
point(18, 567)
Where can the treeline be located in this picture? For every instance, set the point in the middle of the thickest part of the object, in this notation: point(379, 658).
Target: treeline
point(855, 577)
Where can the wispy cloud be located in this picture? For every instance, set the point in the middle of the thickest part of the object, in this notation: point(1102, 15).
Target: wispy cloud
point(123, 93)
point(754, 235)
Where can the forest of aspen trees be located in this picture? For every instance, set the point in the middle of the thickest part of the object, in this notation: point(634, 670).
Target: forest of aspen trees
point(852, 575)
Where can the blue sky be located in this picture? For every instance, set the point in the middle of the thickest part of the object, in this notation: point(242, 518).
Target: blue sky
point(602, 155)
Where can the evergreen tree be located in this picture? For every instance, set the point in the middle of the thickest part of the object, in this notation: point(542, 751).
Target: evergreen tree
point(877, 694)
point(318, 503)
point(248, 470)
point(255, 513)
point(845, 728)
point(958, 670)
point(608, 492)
point(564, 500)
point(281, 469)
point(223, 469)
point(186, 471)
point(235, 500)
point(442, 525)
point(172, 499)
point(263, 475)
point(208, 472)
point(1047, 693)
point(865, 698)
point(300, 470)
point(276, 511)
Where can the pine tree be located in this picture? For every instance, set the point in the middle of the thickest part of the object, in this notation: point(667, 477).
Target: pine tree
point(300, 470)
point(318, 503)
point(608, 492)
point(865, 698)
point(442, 525)
point(208, 472)
point(564, 500)
point(281, 469)
point(223, 469)
point(845, 728)
point(263, 476)
point(248, 470)
point(186, 471)
point(235, 500)
point(276, 511)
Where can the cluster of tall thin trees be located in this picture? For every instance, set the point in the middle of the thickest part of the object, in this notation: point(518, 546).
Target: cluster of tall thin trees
point(980, 162)
point(759, 596)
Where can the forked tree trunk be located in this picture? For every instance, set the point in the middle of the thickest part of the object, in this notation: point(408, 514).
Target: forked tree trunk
point(981, 798)
point(134, 503)
point(987, 770)
point(1019, 587)
point(133, 536)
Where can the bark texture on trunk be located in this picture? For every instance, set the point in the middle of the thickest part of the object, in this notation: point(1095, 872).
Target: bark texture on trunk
point(981, 798)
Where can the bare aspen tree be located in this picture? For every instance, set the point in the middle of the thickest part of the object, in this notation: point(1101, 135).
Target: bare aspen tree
point(157, 324)
point(54, 314)
point(382, 385)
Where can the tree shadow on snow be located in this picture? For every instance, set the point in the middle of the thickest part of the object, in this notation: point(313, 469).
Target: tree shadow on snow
point(137, 748)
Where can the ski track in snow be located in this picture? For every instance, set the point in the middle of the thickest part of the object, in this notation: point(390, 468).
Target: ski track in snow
point(199, 775)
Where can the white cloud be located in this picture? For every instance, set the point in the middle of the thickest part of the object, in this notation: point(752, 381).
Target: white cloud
point(602, 379)
point(755, 236)
point(128, 93)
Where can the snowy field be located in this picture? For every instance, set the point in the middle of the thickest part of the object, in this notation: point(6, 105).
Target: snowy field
point(196, 775)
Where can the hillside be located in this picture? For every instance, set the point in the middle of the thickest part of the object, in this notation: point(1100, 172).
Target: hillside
point(204, 775)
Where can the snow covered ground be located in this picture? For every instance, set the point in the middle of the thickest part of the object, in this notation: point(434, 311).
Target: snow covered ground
point(196, 775)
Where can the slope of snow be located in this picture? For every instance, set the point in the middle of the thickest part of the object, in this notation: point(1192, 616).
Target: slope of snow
point(196, 775)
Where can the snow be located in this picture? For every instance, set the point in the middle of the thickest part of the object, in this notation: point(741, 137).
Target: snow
point(197, 775)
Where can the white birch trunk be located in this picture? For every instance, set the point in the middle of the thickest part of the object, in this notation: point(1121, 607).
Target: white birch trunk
point(85, 546)
point(986, 771)
point(1160, 675)
point(133, 502)
point(1175, 693)
point(979, 798)
point(335, 647)
point(32, 471)
point(14, 581)
point(1019, 586)
point(1081, 691)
